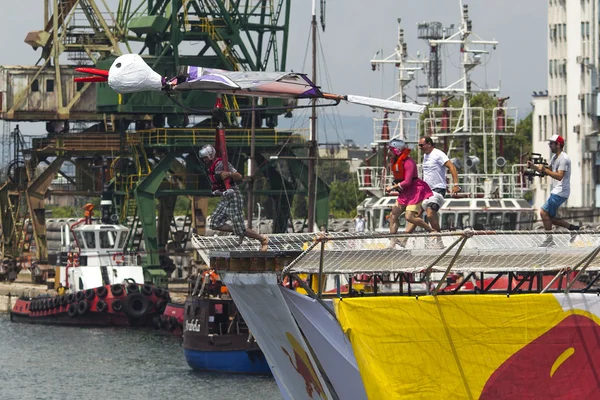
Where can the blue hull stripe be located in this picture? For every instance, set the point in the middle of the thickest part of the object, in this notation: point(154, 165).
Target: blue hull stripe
point(238, 361)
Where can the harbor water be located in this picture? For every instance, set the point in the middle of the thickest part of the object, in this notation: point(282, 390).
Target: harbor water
point(55, 362)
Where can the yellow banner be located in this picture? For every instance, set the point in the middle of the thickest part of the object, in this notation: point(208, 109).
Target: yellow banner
point(473, 346)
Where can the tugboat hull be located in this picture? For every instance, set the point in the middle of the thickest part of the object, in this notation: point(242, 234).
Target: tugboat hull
point(216, 338)
point(110, 305)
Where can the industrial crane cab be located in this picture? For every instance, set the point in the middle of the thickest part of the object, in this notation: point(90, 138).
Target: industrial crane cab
point(457, 214)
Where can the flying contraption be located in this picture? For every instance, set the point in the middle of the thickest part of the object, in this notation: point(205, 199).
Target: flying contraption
point(129, 73)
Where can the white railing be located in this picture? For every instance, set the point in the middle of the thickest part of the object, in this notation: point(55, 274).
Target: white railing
point(504, 120)
point(408, 129)
point(503, 185)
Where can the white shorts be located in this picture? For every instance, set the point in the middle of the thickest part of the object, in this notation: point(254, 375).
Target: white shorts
point(437, 198)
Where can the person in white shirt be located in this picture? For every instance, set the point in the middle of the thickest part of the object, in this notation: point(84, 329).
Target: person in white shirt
point(359, 223)
point(435, 163)
point(560, 172)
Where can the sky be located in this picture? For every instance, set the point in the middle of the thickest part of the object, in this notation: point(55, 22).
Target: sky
point(355, 30)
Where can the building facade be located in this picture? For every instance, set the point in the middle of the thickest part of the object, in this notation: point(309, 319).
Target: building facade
point(570, 107)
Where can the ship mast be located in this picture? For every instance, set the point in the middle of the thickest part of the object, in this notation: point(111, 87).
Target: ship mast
point(312, 143)
point(406, 73)
point(463, 127)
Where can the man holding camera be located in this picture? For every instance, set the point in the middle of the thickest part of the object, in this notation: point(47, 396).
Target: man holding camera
point(560, 172)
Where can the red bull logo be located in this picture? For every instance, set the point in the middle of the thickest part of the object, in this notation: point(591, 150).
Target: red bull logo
point(302, 364)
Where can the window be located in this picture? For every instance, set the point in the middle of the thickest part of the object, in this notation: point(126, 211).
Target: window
point(510, 222)
point(79, 86)
point(80, 283)
point(107, 239)
point(122, 238)
point(449, 221)
point(464, 221)
point(495, 221)
point(480, 221)
point(90, 239)
point(49, 85)
point(35, 86)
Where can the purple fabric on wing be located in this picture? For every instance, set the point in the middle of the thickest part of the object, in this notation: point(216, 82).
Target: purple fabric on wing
point(192, 73)
point(312, 92)
point(215, 78)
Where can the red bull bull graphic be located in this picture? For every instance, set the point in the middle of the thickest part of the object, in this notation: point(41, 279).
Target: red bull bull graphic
point(476, 346)
point(304, 367)
point(259, 299)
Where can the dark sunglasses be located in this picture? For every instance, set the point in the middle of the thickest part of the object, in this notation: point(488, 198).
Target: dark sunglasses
point(421, 145)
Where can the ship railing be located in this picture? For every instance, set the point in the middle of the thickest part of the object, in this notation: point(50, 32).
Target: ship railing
point(505, 120)
point(370, 178)
point(500, 185)
point(407, 129)
point(449, 121)
point(202, 136)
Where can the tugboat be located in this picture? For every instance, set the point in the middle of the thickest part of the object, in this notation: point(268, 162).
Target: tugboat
point(215, 336)
point(103, 286)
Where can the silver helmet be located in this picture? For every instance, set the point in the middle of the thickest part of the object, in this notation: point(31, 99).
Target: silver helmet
point(208, 151)
point(398, 144)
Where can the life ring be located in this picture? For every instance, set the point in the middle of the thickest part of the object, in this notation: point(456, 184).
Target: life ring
point(90, 294)
point(101, 306)
point(82, 307)
point(158, 292)
point(119, 258)
point(56, 302)
point(32, 306)
point(147, 290)
point(63, 300)
point(70, 298)
point(136, 305)
point(116, 289)
point(117, 305)
point(102, 291)
point(72, 311)
point(80, 295)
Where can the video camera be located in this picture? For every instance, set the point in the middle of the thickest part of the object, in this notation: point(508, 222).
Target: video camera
point(535, 159)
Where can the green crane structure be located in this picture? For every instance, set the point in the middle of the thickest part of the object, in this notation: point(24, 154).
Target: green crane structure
point(148, 167)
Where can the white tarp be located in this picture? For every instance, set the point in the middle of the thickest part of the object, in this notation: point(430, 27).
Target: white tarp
point(262, 305)
point(329, 343)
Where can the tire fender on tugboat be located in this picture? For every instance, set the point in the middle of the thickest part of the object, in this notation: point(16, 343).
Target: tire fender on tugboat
point(116, 289)
point(136, 304)
point(72, 311)
point(101, 306)
point(82, 307)
point(101, 292)
point(117, 305)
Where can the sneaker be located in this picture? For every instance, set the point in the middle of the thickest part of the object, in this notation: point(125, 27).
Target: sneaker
point(549, 242)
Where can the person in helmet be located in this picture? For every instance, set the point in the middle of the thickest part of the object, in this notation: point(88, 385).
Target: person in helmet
point(411, 190)
point(231, 205)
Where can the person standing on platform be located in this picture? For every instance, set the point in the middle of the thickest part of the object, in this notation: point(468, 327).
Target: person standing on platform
point(231, 205)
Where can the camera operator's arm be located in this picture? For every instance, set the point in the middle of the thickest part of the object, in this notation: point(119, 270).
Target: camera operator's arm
point(542, 169)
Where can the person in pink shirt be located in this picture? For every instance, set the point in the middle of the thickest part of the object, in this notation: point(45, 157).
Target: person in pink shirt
point(411, 190)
